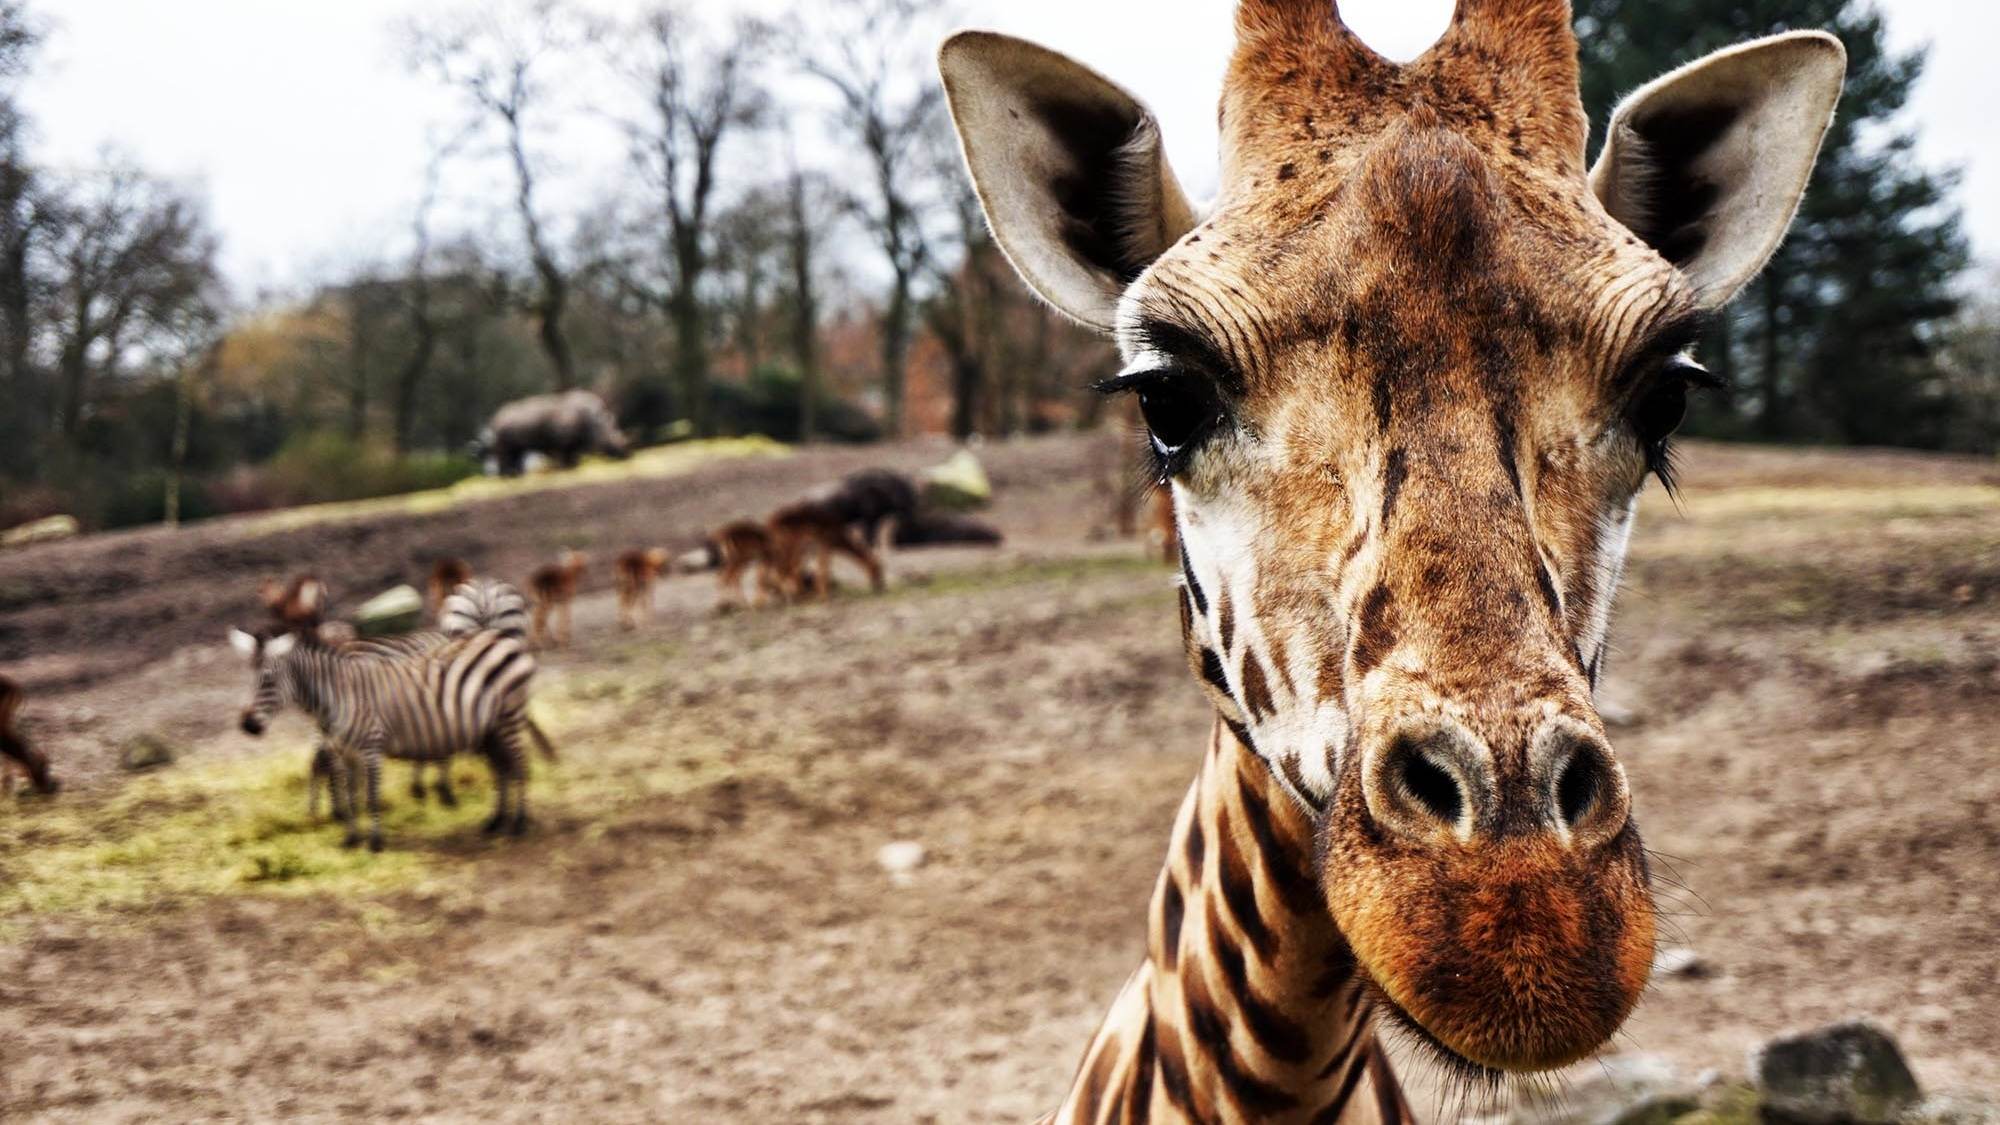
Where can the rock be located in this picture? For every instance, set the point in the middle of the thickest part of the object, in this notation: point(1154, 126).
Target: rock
point(1620, 1090)
point(1953, 1109)
point(146, 752)
point(901, 857)
point(53, 529)
point(1844, 1073)
point(398, 610)
point(958, 485)
point(1679, 961)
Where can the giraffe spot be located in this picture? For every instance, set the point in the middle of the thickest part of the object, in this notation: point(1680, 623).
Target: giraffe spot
point(1393, 476)
point(1256, 692)
point(1193, 588)
point(1287, 171)
point(1374, 634)
point(1104, 1058)
point(1549, 594)
point(1280, 1036)
point(1193, 848)
point(1172, 907)
point(1286, 865)
point(1211, 671)
point(1239, 890)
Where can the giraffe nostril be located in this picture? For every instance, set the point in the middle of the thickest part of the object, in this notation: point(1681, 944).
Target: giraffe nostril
point(1579, 788)
point(1428, 785)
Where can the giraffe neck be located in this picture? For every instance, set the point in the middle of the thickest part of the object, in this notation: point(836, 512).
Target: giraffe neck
point(1248, 1006)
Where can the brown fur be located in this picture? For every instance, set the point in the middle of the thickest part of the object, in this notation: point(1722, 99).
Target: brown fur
point(552, 588)
point(298, 606)
point(804, 538)
point(1399, 364)
point(636, 573)
point(736, 549)
point(19, 759)
point(446, 575)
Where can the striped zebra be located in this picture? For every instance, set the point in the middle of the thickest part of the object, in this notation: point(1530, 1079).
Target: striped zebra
point(477, 605)
point(470, 695)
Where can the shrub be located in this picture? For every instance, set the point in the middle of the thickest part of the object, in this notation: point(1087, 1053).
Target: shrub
point(323, 467)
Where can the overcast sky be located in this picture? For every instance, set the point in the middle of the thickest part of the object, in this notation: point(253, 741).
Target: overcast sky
point(309, 135)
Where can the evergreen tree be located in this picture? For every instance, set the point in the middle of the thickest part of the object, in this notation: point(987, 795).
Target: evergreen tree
point(1834, 342)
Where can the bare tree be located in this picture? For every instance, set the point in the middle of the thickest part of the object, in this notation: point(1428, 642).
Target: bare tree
point(806, 203)
point(698, 91)
point(419, 303)
point(495, 58)
point(875, 57)
point(128, 254)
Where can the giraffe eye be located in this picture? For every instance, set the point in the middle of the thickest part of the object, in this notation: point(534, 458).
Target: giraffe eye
point(1662, 409)
point(1181, 408)
point(1178, 413)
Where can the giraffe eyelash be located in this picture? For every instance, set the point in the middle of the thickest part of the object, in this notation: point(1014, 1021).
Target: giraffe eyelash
point(1182, 410)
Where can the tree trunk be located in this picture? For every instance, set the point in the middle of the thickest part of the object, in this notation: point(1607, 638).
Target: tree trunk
point(895, 354)
point(1770, 416)
point(357, 363)
point(177, 453)
point(407, 379)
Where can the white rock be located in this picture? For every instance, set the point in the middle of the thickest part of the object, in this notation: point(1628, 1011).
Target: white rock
point(901, 857)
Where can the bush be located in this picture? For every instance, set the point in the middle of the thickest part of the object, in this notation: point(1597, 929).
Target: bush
point(769, 404)
point(324, 467)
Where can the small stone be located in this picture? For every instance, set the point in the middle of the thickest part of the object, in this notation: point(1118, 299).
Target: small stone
point(958, 485)
point(1845, 1073)
point(146, 752)
point(1679, 961)
point(396, 610)
point(901, 857)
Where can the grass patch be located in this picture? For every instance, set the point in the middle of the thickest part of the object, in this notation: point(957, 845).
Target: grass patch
point(241, 827)
point(647, 464)
point(1000, 576)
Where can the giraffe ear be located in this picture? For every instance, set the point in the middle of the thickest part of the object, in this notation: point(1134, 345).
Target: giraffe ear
point(1069, 168)
point(1707, 164)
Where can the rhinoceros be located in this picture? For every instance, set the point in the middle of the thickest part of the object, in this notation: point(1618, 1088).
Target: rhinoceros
point(562, 427)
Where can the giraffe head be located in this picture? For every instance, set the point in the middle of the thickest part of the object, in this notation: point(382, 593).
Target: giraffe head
point(1406, 376)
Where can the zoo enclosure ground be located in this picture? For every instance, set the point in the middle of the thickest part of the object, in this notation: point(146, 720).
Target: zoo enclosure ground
point(698, 931)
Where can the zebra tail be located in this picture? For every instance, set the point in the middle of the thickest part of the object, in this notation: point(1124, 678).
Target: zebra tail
point(542, 742)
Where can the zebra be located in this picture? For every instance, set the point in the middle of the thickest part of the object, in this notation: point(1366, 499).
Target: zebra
point(476, 605)
point(469, 695)
point(484, 603)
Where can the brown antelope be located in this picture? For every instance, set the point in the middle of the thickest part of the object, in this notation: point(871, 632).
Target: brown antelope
point(814, 530)
point(637, 571)
point(446, 575)
point(553, 589)
point(17, 758)
point(734, 550)
point(1406, 377)
point(295, 606)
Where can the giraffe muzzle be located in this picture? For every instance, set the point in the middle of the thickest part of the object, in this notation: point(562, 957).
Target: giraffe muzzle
point(1498, 900)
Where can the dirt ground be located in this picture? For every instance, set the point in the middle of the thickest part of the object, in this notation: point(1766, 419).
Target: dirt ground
point(698, 930)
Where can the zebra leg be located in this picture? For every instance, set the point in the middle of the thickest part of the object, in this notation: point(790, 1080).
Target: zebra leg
point(372, 762)
point(446, 797)
point(417, 791)
point(349, 808)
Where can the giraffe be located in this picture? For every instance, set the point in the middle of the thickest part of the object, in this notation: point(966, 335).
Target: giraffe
point(1405, 377)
